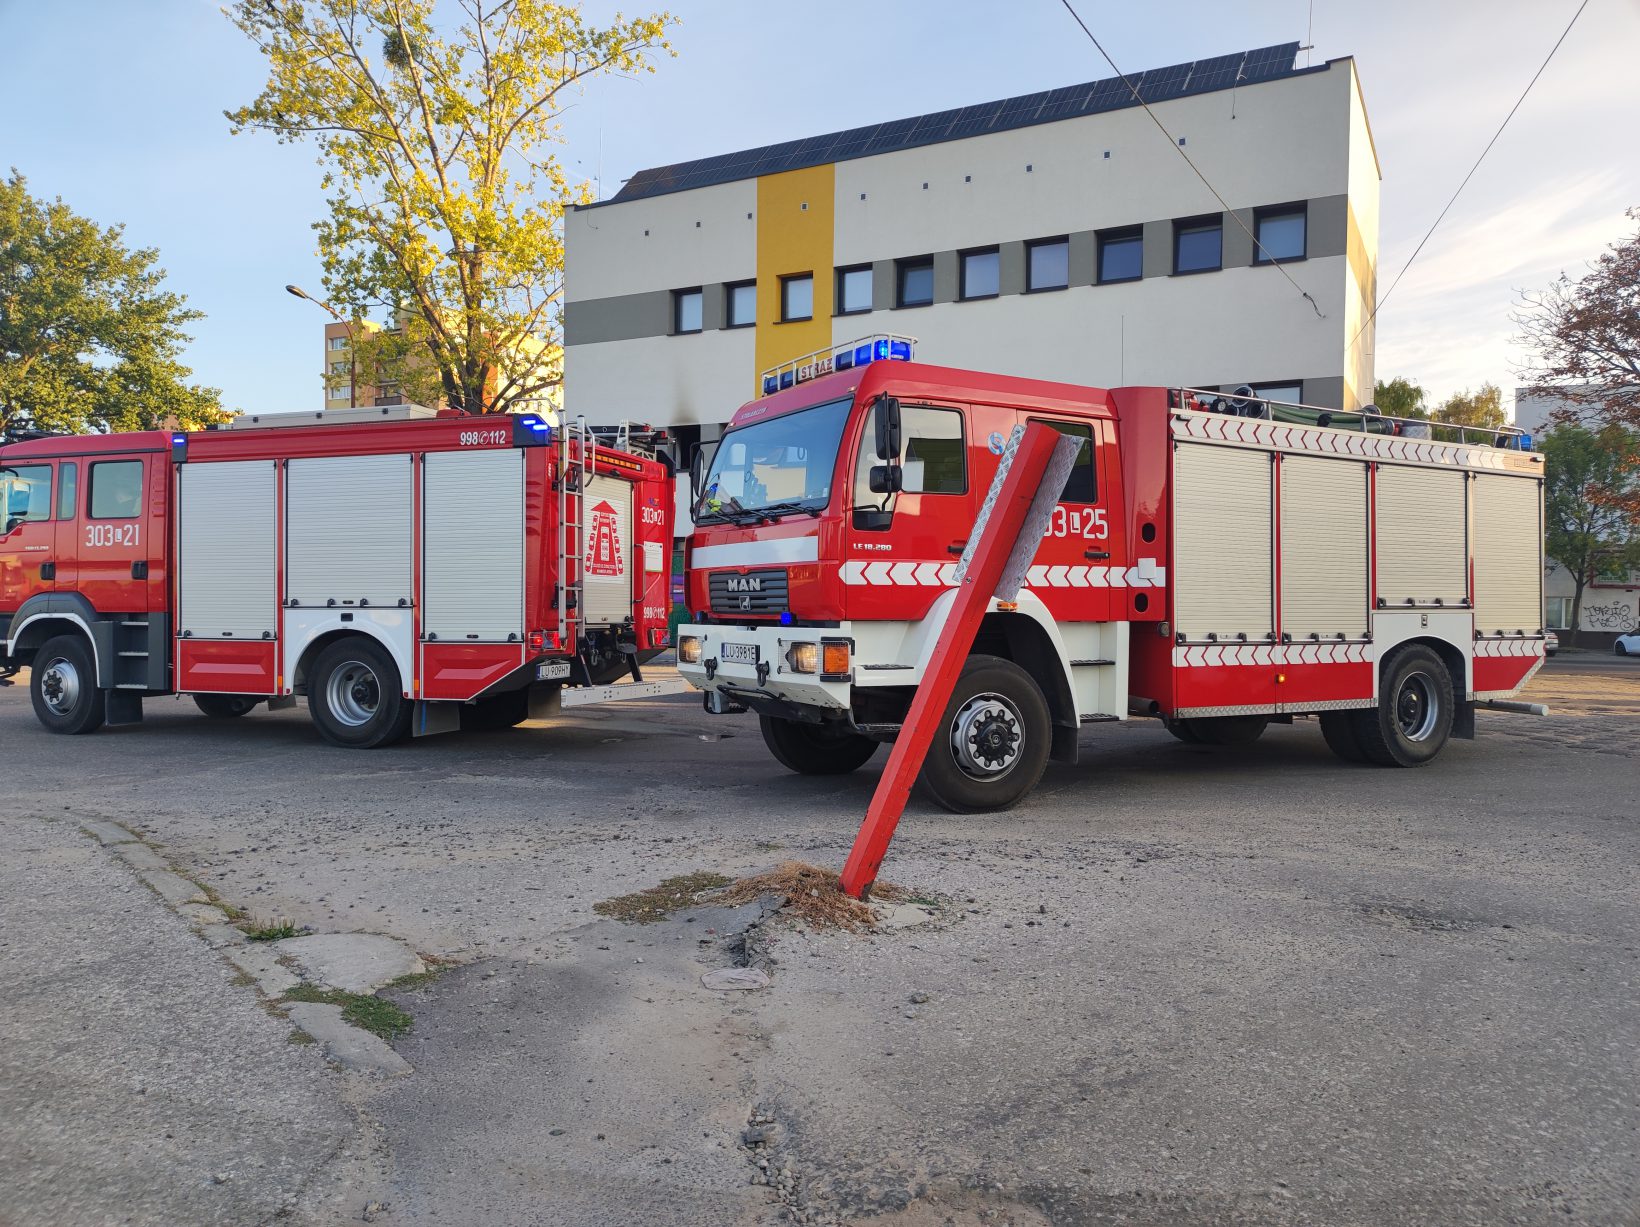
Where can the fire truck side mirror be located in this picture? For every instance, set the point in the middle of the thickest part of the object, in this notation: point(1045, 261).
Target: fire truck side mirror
point(888, 434)
point(887, 479)
point(700, 456)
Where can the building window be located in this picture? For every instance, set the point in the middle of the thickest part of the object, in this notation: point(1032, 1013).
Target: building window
point(1198, 244)
point(26, 491)
point(341, 368)
point(740, 306)
point(338, 342)
point(687, 307)
point(1121, 255)
point(915, 281)
point(1557, 613)
point(1047, 264)
point(933, 459)
point(1286, 393)
point(981, 273)
point(116, 490)
point(854, 290)
point(1280, 232)
point(797, 298)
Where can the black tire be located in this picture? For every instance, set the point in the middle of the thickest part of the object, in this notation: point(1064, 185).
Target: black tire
point(1228, 730)
point(226, 706)
point(1620, 649)
point(63, 686)
point(996, 709)
point(1413, 718)
point(499, 711)
point(815, 749)
point(356, 697)
point(1183, 730)
point(1338, 727)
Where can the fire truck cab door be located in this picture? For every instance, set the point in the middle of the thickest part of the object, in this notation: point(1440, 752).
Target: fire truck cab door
point(27, 554)
point(118, 539)
point(1081, 548)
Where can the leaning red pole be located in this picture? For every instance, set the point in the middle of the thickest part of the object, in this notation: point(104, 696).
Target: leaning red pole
point(1009, 506)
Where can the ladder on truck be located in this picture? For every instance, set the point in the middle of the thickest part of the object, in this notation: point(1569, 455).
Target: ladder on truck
point(577, 458)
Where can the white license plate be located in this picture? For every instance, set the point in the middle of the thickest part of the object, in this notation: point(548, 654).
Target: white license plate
point(552, 671)
point(738, 653)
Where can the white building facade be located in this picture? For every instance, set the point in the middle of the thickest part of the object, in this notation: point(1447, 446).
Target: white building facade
point(1058, 236)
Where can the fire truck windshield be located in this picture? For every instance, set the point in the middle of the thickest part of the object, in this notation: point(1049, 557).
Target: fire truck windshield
point(782, 466)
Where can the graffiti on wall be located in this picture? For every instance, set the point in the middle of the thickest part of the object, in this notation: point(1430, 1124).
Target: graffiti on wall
point(1609, 613)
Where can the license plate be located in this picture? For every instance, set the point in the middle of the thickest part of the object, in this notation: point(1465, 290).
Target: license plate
point(738, 653)
point(552, 671)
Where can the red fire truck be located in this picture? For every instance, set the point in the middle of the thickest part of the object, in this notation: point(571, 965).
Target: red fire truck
point(408, 571)
point(1220, 563)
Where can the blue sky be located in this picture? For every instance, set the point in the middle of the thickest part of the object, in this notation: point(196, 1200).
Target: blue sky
point(116, 105)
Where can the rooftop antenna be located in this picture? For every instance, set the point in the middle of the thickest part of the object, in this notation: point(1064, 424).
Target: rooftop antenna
point(1309, 35)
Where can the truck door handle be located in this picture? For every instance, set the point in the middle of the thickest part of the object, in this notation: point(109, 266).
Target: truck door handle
point(1096, 554)
point(48, 570)
point(139, 570)
point(956, 547)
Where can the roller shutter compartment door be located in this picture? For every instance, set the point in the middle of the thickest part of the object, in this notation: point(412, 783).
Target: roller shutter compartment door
point(227, 564)
point(1222, 580)
point(473, 552)
point(1423, 524)
point(349, 529)
point(1323, 548)
point(608, 552)
point(1508, 558)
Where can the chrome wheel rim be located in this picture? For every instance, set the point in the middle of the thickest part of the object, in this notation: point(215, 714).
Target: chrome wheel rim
point(60, 686)
point(353, 693)
point(1416, 707)
point(987, 737)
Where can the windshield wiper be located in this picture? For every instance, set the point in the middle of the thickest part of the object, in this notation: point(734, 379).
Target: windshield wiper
point(775, 510)
point(731, 510)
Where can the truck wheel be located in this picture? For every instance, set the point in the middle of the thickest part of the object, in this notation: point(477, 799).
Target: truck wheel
point(63, 685)
point(815, 749)
point(226, 706)
point(355, 695)
point(993, 740)
point(1338, 727)
point(1414, 714)
point(1225, 730)
point(499, 711)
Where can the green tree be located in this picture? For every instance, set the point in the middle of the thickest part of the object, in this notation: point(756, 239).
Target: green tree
point(1591, 504)
point(445, 196)
point(1483, 407)
point(1400, 398)
point(89, 338)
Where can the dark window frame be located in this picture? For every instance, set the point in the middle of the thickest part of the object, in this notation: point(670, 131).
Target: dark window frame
point(840, 300)
point(91, 487)
point(912, 264)
point(729, 289)
point(1076, 428)
point(1297, 208)
point(786, 282)
point(1031, 247)
point(678, 297)
point(68, 490)
point(1262, 390)
point(1198, 225)
point(1117, 234)
point(962, 273)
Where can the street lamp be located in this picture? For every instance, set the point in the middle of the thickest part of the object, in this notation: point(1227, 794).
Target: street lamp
point(352, 350)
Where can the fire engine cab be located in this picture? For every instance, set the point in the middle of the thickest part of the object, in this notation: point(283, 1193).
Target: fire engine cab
point(1219, 563)
point(407, 571)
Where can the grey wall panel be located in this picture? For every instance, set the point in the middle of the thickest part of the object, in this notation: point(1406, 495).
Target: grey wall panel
point(228, 564)
point(1084, 255)
point(473, 545)
point(1158, 253)
point(1011, 267)
point(608, 548)
point(1238, 248)
point(713, 306)
point(1223, 578)
point(1508, 554)
point(947, 274)
point(1326, 226)
point(348, 526)
point(882, 285)
point(1324, 561)
point(625, 317)
point(1423, 548)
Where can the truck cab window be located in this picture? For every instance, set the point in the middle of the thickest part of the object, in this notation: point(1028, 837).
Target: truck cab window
point(933, 455)
point(25, 494)
point(1082, 486)
point(116, 490)
point(67, 489)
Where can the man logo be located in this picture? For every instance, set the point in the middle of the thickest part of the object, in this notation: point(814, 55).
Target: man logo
point(745, 583)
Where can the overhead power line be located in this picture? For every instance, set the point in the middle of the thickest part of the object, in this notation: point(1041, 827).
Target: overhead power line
point(1180, 150)
point(1385, 296)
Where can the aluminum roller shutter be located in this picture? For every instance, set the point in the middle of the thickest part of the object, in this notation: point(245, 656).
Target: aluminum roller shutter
point(1323, 548)
point(1508, 558)
point(1423, 550)
point(348, 524)
point(1222, 581)
point(607, 560)
point(228, 561)
point(473, 546)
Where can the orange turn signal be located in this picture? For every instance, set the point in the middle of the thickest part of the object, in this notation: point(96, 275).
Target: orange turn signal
point(834, 657)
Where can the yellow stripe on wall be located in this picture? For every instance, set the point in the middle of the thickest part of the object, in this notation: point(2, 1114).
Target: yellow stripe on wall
point(795, 233)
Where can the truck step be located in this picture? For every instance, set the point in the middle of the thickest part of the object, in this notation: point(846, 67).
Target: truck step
point(887, 667)
point(142, 655)
point(1075, 663)
point(1097, 717)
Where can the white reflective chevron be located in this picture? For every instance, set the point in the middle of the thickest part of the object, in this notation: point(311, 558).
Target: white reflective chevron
point(1224, 429)
point(1200, 656)
point(1508, 647)
point(922, 574)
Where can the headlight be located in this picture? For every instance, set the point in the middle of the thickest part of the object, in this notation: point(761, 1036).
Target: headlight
point(803, 657)
point(688, 649)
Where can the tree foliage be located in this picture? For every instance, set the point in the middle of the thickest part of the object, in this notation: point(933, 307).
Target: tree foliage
point(445, 199)
point(89, 338)
point(1584, 337)
point(1591, 503)
point(1482, 407)
point(1401, 398)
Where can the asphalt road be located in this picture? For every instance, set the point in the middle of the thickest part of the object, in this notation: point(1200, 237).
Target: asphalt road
point(1181, 985)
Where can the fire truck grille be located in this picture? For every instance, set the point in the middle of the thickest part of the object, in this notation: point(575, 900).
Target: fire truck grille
point(759, 592)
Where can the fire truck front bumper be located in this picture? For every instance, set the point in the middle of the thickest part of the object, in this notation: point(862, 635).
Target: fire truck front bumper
point(771, 669)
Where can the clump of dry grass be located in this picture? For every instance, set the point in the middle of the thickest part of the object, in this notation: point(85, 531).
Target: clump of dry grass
point(812, 896)
point(659, 902)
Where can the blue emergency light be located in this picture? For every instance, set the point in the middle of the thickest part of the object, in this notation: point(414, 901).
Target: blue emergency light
point(179, 448)
point(531, 431)
point(771, 384)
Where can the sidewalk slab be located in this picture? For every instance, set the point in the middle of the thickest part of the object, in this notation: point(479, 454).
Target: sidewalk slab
point(352, 962)
point(173, 887)
point(259, 961)
point(107, 833)
point(347, 1045)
